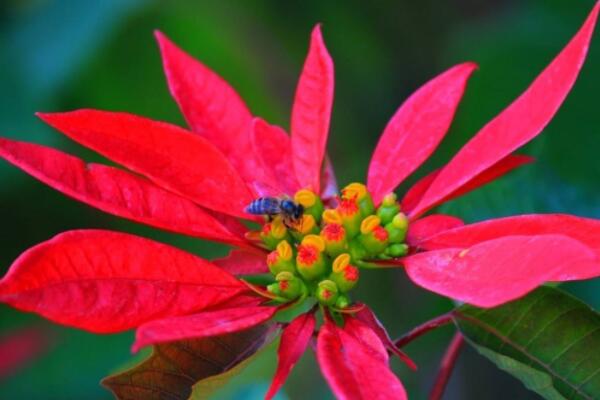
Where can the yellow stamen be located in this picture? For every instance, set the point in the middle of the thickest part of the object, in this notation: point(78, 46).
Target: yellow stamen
point(369, 224)
point(284, 250)
point(315, 241)
point(353, 190)
point(341, 262)
point(284, 276)
point(307, 198)
point(306, 224)
point(332, 217)
point(278, 229)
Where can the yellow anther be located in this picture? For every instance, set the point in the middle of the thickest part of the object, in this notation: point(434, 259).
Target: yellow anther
point(306, 197)
point(341, 262)
point(369, 224)
point(278, 229)
point(315, 241)
point(353, 190)
point(400, 221)
point(284, 250)
point(389, 199)
point(332, 217)
point(306, 224)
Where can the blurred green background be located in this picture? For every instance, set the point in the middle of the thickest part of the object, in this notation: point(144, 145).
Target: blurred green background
point(66, 54)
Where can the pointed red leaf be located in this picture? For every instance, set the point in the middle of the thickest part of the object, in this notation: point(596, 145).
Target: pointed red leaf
point(294, 339)
point(355, 363)
point(115, 191)
point(368, 317)
point(107, 281)
point(205, 324)
point(501, 168)
point(211, 108)
point(496, 271)
point(520, 122)
point(584, 230)
point(311, 113)
point(242, 262)
point(428, 226)
point(273, 147)
point(170, 156)
point(416, 129)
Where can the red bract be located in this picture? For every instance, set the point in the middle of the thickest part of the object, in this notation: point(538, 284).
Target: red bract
point(199, 183)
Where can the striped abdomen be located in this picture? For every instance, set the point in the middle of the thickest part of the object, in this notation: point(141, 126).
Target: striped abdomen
point(264, 206)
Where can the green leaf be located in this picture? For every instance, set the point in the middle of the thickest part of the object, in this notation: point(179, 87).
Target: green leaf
point(549, 340)
point(175, 369)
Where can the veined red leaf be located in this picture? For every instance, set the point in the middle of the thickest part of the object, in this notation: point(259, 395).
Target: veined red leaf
point(493, 272)
point(212, 108)
point(105, 281)
point(273, 147)
point(294, 339)
point(501, 168)
point(584, 230)
point(354, 362)
point(416, 129)
point(428, 226)
point(311, 113)
point(242, 262)
point(170, 156)
point(520, 122)
point(205, 324)
point(368, 317)
point(115, 191)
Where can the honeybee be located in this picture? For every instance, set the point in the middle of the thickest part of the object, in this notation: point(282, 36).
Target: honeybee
point(290, 211)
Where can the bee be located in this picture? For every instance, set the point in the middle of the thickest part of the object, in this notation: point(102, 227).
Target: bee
point(290, 211)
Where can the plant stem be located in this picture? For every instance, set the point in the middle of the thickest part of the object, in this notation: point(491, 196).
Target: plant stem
point(424, 328)
point(446, 366)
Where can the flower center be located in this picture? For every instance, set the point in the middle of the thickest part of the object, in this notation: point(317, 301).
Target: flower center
point(318, 251)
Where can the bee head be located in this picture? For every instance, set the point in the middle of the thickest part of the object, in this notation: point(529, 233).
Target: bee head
point(291, 208)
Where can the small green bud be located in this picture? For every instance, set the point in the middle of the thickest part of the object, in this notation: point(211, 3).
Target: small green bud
point(342, 301)
point(388, 209)
point(327, 292)
point(397, 250)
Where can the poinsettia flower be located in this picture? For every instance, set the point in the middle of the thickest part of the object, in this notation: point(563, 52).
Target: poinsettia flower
point(200, 182)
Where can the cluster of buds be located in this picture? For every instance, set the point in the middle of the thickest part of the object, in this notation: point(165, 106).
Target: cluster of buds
point(322, 253)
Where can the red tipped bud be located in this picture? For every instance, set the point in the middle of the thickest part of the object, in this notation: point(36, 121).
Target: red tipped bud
point(281, 259)
point(350, 215)
point(373, 236)
point(388, 208)
point(343, 274)
point(359, 192)
point(327, 292)
point(310, 261)
point(334, 236)
point(311, 202)
point(289, 286)
point(273, 232)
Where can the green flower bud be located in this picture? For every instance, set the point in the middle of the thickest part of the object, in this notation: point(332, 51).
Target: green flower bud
point(397, 250)
point(373, 236)
point(274, 232)
point(334, 236)
point(398, 228)
point(343, 274)
point(388, 209)
point(290, 286)
point(327, 292)
point(342, 301)
point(311, 202)
point(359, 192)
point(281, 259)
point(310, 262)
point(350, 216)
